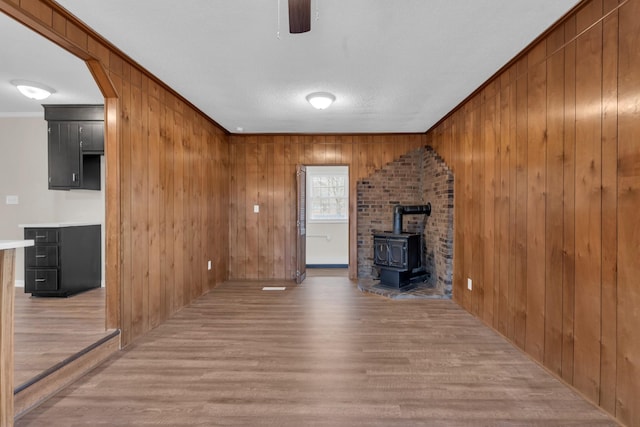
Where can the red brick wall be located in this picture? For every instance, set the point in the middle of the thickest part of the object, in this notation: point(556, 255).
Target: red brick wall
point(437, 189)
point(416, 178)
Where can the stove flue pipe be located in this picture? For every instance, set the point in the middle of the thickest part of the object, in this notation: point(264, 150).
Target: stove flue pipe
point(399, 210)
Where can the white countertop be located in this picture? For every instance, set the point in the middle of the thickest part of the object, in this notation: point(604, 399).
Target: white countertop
point(12, 244)
point(57, 224)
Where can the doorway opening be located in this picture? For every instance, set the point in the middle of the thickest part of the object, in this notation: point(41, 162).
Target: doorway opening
point(49, 332)
point(327, 218)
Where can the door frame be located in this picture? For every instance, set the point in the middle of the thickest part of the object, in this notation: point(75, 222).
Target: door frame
point(112, 154)
point(352, 252)
point(301, 223)
point(327, 170)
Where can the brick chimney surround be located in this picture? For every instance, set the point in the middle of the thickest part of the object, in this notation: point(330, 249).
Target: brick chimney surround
point(416, 178)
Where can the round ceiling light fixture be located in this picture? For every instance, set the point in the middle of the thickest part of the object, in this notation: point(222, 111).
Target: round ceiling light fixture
point(33, 90)
point(321, 100)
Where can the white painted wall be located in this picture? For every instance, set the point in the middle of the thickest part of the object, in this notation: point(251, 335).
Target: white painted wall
point(23, 173)
point(327, 243)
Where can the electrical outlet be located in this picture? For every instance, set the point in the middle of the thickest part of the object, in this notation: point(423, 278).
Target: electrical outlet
point(11, 200)
point(469, 284)
point(209, 265)
point(256, 208)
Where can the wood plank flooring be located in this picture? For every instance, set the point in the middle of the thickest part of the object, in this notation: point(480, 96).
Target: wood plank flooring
point(327, 272)
point(48, 330)
point(317, 354)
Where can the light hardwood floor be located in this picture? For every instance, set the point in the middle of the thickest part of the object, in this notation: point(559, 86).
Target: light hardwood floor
point(318, 354)
point(48, 330)
point(327, 272)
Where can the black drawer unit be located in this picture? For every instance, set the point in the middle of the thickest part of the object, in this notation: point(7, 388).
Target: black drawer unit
point(42, 280)
point(63, 261)
point(41, 235)
point(41, 256)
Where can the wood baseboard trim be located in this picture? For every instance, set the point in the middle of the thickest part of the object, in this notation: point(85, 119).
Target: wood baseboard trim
point(43, 386)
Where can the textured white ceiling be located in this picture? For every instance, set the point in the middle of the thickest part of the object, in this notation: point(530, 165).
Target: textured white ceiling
point(25, 55)
point(393, 65)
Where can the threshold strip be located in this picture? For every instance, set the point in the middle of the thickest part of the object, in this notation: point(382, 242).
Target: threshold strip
point(65, 362)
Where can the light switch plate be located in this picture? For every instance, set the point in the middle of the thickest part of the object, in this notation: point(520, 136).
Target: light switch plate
point(12, 200)
point(469, 284)
point(256, 208)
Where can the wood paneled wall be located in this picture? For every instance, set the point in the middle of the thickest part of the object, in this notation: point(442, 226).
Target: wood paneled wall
point(173, 203)
point(167, 189)
point(263, 173)
point(547, 193)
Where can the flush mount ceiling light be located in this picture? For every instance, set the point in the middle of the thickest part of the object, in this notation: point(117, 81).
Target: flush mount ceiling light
point(33, 90)
point(321, 100)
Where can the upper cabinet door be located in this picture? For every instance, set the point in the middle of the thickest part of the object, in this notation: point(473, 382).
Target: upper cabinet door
point(92, 137)
point(64, 155)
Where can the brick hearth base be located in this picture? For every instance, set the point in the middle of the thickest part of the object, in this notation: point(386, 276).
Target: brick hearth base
point(413, 291)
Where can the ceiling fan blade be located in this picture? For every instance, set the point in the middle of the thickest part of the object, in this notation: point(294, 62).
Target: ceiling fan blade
point(299, 16)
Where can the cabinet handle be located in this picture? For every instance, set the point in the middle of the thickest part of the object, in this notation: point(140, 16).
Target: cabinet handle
point(80, 144)
point(40, 237)
point(41, 280)
point(73, 177)
point(41, 256)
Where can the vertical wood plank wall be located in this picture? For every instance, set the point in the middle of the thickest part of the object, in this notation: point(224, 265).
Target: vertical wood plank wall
point(263, 173)
point(172, 191)
point(547, 189)
point(173, 199)
point(546, 160)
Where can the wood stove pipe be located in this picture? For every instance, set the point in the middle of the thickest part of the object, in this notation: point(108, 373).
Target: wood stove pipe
point(399, 210)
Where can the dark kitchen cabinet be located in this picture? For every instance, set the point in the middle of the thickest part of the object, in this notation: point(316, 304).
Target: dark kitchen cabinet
point(75, 144)
point(64, 260)
point(64, 155)
point(91, 137)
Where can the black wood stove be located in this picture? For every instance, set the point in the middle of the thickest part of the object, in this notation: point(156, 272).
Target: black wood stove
point(398, 255)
